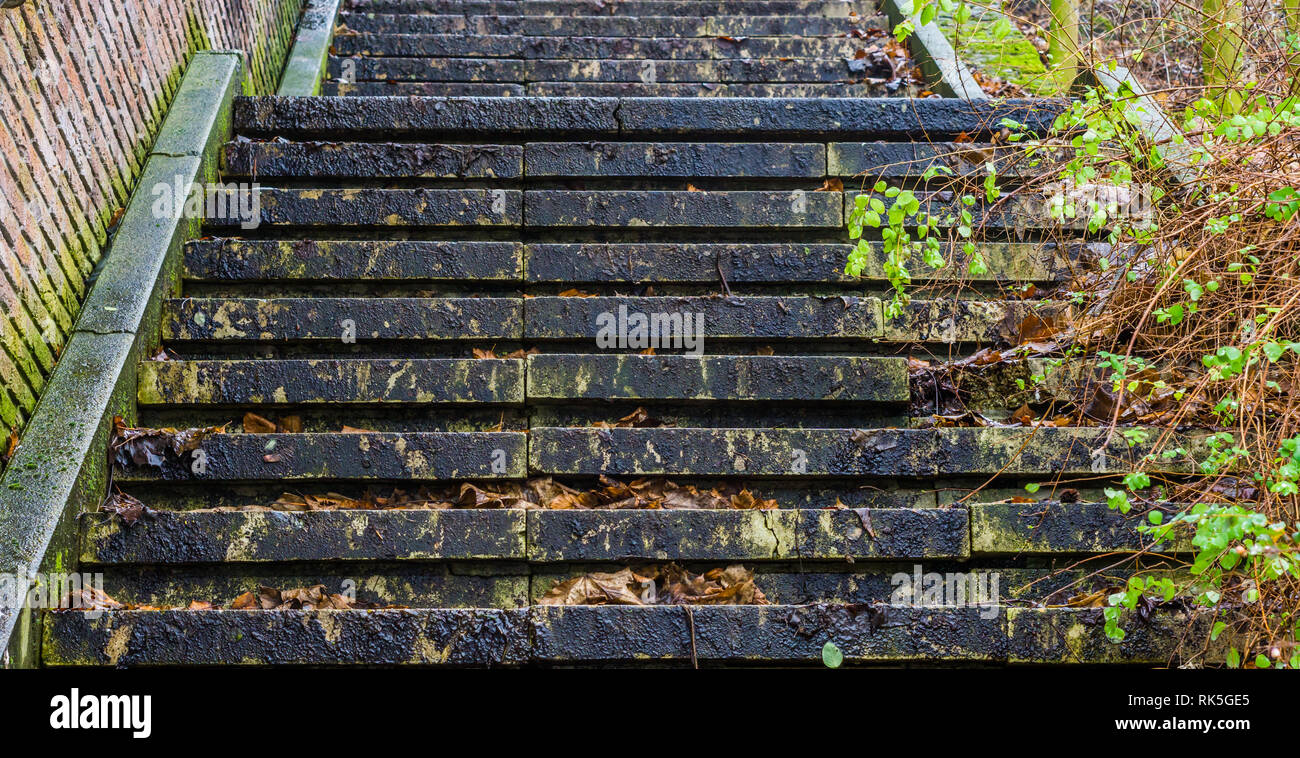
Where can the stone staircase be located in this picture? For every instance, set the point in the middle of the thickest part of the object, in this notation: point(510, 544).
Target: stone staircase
point(426, 305)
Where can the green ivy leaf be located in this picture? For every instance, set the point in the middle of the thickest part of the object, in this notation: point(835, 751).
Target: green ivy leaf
point(832, 656)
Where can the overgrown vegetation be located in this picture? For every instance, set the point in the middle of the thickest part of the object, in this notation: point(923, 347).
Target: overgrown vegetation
point(1187, 326)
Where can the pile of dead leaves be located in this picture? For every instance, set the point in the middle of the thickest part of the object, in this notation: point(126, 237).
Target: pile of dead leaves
point(300, 599)
point(149, 447)
point(542, 492)
point(659, 585)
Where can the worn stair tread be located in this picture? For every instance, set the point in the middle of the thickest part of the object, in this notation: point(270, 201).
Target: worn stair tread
point(331, 381)
point(1075, 636)
point(836, 452)
point(198, 537)
point(748, 535)
point(699, 89)
point(661, 209)
point(359, 160)
point(323, 318)
point(352, 455)
point(674, 159)
point(754, 263)
point(828, 8)
point(758, 118)
point(554, 47)
point(911, 160)
point(366, 207)
point(732, 70)
point(388, 88)
point(1052, 528)
point(233, 260)
point(734, 452)
point(738, 317)
point(717, 377)
point(771, 633)
point(693, 25)
point(227, 537)
point(435, 636)
point(601, 634)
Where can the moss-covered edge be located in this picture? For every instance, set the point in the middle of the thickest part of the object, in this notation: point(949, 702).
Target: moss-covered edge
point(60, 468)
point(305, 67)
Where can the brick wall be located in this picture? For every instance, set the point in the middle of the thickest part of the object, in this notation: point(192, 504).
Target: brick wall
point(84, 86)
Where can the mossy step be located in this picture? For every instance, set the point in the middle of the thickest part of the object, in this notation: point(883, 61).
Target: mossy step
point(638, 8)
point(731, 452)
point(647, 70)
point(403, 584)
point(552, 47)
point(693, 25)
point(374, 208)
point(352, 455)
point(836, 452)
point(748, 535)
point(353, 160)
point(205, 537)
point(1056, 528)
point(732, 634)
point(485, 262)
point(1056, 450)
point(746, 263)
point(279, 536)
point(331, 382)
point(838, 119)
point(1075, 635)
point(421, 89)
point(438, 636)
point(687, 160)
point(956, 321)
point(562, 377)
point(703, 89)
point(232, 260)
point(335, 319)
point(739, 317)
point(800, 209)
point(911, 160)
point(478, 70)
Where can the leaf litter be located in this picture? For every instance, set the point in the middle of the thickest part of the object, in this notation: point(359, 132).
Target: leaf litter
point(668, 584)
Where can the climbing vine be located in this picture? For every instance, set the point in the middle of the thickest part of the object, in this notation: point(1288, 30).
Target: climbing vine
point(1188, 324)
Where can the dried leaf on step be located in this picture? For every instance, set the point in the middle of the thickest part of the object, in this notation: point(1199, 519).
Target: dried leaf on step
point(255, 424)
point(150, 447)
point(637, 419)
point(831, 185)
point(620, 588)
point(126, 507)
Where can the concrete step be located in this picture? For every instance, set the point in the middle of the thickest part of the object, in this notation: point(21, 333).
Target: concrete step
point(702, 8)
point(580, 48)
point(350, 381)
point(484, 263)
point(575, 119)
point(327, 319)
point(684, 26)
point(425, 456)
point(538, 536)
point(777, 634)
